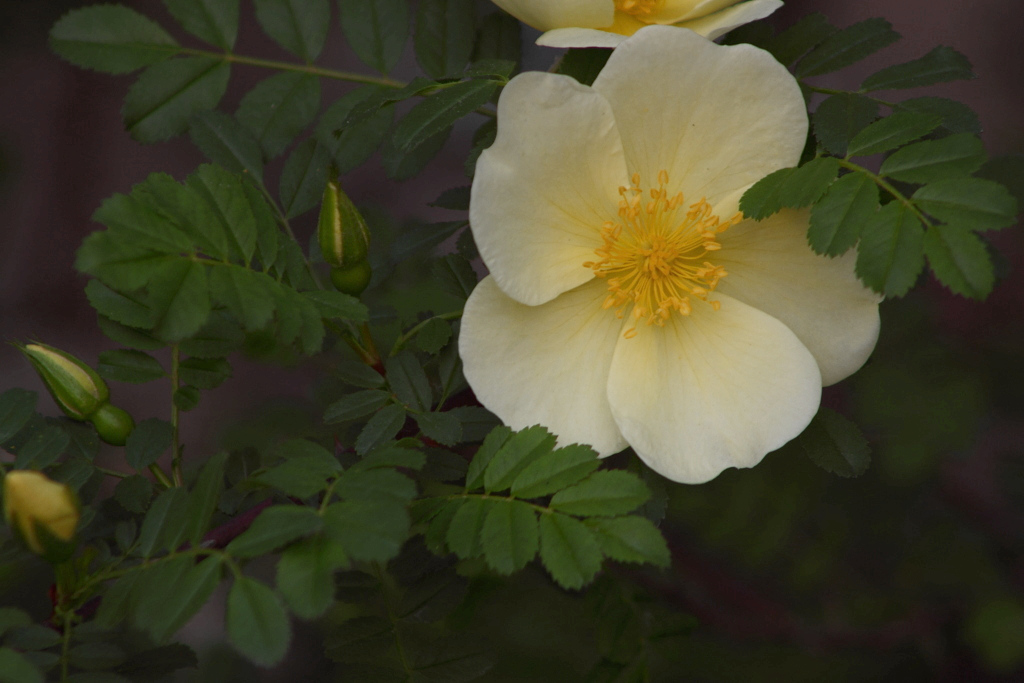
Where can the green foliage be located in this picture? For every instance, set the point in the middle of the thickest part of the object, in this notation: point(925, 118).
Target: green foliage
point(299, 26)
point(257, 622)
point(214, 21)
point(161, 102)
point(110, 38)
point(376, 30)
point(444, 36)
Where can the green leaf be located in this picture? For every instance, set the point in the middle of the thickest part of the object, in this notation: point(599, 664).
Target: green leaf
point(305, 575)
point(351, 144)
point(401, 165)
point(584, 63)
point(116, 601)
point(941, 65)
point(180, 298)
point(433, 336)
point(444, 428)
point(839, 118)
point(368, 530)
point(204, 373)
point(836, 444)
point(376, 30)
point(301, 477)
point(161, 102)
point(17, 407)
point(382, 427)
point(230, 205)
point(789, 187)
point(147, 442)
point(132, 218)
point(793, 43)
point(124, 365)
point(568, 550)
point(303, 178)
point(957, 117)
point(444, 36)
point(203, 499)
point(408, 380)
point(299, 26)
point(440, 111)
point(972, 203)
point(891, 251)
point(554, 471)
point(499, 37)
point(188, 209)
point(186, 597)
point(466, 527)
point(279, 108)
point(960, 260)
point(607, 493)
point(12, 617)
point(15, 668)
point(492, 443)
point(225, 142)
point(355, 405)
point(247, 294)
point(837, 220)
point(848, 46)
point(162, 525)
point(931, 160)
point(42, 448)
point(257, 623)
point(509, 536)
point(117, 306)
point(110, 38)
point(186, 398)
point(631, 539)
point(220, 336)
point(455, 275)
point(275, 527)
point(376, 484)
point(892, 132)
point(515, 455)
point(482, 139)
point(133, 493)
point(338, 305)
point(131, 337)
point(215, 21)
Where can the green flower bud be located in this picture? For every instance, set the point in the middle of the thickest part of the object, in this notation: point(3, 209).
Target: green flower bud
point(112, 424)
point(76, 387)
point(42, 513)
point(353, 279)
point(342, 231)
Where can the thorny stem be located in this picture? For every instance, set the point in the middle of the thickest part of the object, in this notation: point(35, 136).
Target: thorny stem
point(175, 444)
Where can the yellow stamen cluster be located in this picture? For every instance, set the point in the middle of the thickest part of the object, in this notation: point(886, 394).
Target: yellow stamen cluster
point(638, 8)
point(655, 257)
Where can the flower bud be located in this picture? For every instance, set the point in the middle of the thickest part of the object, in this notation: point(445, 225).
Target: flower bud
point(76, 387)
point(353, 279)
point(112, 424)
point(42, 513)
point(342, 231)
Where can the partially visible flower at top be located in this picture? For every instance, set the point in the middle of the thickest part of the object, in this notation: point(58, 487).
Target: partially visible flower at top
point(606, 23)
point(629, 303)
point(42, 513)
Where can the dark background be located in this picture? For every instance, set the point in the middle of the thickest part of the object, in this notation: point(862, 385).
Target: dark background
point(63, 150)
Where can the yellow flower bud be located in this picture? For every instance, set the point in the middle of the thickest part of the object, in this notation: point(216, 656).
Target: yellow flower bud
point(76, 387)
point(42, 513)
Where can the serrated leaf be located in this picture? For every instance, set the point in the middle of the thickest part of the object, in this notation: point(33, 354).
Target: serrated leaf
point(247, 294)
point(257, 623)
point(957, 117)
point(509, 536)
point(466, 526)
point(131, 337)
point(972, 203)
point(303, 178)
point(215, 21)
point(161, 527)
point(837, 220)
point(204, 373)
point(836, 444)
point(568, 550)
point(376, 484)
point(117, 306)
point(350, 144)
point(382, 427)
point(455, 275)
point(356, 405)
point(839, 118)
point(932, 160)
point(188, 209)
point(444, 428)
point(147, 442)
point(133, 493)
point(186, 398)
point(203, 499)
point(123, 365)
point(368, 530)
point(433, 336)
point(408, 380)
point(376, 30)
point(516, 455)
point(17, 407)
point(227, 200)
point(358, 374)
point(301, 477)
point(891, 251)
point(338, 305)
point(401, 165)
point(789, 187)
point(793, 43)
point(110, 38)
point(117, 600)
point(305, 575)
point(444, 36)
point(607, 493)
point(42, 448)
point(275, 527)
point(631, 539)
point(279, 108)
point(160, 103)
point(299, 26)
point(492, 443)
point(220, 336)
point(555, 471)
point(941, 65)
point(186, 597)
point(848, 46)
point(226, 142)
point(440, 111)
point(132, 218)
point(959, 260)
point(892, 132)
point(180, 298)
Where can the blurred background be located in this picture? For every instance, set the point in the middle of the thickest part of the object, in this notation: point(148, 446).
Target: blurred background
point(914, 571)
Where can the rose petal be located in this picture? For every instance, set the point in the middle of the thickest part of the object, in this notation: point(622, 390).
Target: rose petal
point(549, 14)
point(712, 26)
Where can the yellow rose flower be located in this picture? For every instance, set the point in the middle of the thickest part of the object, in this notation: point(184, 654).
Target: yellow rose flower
point(628, 302)
point(42, 512)
point(606, 23)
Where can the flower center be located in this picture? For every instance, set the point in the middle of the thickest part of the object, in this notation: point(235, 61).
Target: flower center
point(655, 257)
point(638, 8)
